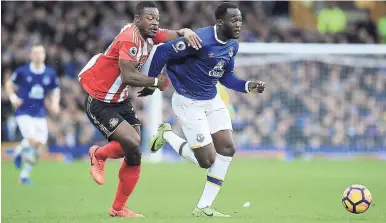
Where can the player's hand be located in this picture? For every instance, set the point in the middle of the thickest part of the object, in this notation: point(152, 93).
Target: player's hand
point(55, 109)
point(146, 91)
point(163, 82)
point(258, 86)
point(192, 39)
point(15, 101)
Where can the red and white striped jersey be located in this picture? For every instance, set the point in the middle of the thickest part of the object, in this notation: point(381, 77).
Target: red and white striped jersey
point(101, 76)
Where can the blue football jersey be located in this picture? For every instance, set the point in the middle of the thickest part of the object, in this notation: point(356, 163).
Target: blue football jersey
point(195, 73)
point(32, 88)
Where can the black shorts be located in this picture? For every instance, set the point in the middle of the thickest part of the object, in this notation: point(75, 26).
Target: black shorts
point(106, 117)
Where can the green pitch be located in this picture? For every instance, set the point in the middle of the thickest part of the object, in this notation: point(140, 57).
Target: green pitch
point(296, 192)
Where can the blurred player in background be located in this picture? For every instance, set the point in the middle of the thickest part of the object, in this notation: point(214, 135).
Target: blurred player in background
point(28, 88)
point(202, 114)
point(106, 79)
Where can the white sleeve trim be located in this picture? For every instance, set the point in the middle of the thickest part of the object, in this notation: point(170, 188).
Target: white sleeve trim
point(56, 89)
point(246, 86)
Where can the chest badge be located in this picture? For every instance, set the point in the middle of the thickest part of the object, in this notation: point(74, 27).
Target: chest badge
point(46, 80)
point(231, 52)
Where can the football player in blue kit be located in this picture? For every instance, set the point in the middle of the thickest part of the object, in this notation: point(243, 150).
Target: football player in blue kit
point(202, 114)
point(27, 89)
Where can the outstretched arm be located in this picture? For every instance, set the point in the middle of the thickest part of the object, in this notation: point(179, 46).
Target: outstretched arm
point(230, 81)
point(234, 83)
point(189, 35)
point(175, 49)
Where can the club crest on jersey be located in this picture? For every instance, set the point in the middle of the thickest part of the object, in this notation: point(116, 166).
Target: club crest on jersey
point(218, 70)
point(29, 79)
point(46, 80)
point(200, 137)
point(133, 51)
point(231, 52)
point(113, 122)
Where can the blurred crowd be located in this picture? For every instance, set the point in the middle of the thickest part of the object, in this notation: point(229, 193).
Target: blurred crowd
point(306, 102)
point(313, 104)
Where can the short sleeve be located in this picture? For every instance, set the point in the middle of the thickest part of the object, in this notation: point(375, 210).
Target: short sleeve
point(16, 77)
point(128, 51)
point(160, 36)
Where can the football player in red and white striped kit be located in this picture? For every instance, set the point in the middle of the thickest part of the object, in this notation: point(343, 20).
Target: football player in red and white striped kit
point(106, 79)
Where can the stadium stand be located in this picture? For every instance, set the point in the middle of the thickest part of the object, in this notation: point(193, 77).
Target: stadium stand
point(351, 112)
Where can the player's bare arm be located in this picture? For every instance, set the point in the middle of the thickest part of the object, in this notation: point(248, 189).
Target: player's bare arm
point(189, 35)
point(55, 100)
point(10, 91)
point(131, 76)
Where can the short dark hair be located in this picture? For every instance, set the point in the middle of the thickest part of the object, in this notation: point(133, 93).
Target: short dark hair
point(142, 5)
point(222, 9)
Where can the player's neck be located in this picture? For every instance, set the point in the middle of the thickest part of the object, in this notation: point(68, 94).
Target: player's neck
point(220, 35)
point(141, 33)
point(37, 66)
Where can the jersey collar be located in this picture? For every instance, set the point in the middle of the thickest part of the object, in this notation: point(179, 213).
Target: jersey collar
point(139, 33)
point(215, 36)
point(37, 71)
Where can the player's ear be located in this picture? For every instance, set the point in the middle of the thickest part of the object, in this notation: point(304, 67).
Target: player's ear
point(136, 18)
point(219, 22)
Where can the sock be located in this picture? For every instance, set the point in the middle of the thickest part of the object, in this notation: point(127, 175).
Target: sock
point(214, 180)
point(128, 178)
point(20, 148)
point(181, 146)
point(26, 171)
point(30, 155)
point(111, 150)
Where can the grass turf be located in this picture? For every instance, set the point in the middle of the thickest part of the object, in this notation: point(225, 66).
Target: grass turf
point(295, 192)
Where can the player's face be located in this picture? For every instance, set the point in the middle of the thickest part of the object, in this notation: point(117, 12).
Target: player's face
point(232, 23)
point(148, 22)
point(38, 54)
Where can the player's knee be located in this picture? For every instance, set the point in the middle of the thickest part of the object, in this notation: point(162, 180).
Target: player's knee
point(228, 150)
point(133, 158)
point(207, 162)
point(132, 151)
point(31, 162)
point(31, 156)
point(34, 143)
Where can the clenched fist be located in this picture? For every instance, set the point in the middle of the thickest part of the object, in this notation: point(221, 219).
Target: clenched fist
point(163, 83)
point(258, 86)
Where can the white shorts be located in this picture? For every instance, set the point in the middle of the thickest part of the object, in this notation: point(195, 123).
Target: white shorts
point(199, 119)
point(31, 127)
